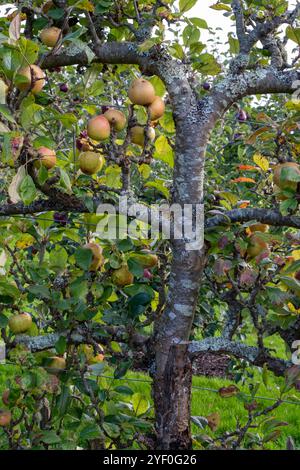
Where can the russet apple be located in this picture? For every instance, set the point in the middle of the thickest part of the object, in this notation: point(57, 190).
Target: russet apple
point(5, 397)
point(56, 364)
point(277, 176)
point(47, 157)
point(35, 79)
point(146, 259)
point(116, 119)
point(50, 36)
point(5, 418)
point(98, 128)
point(97, 260)
point(141, 92)
point(156, 109)
point(258, 228)
point(122, 276)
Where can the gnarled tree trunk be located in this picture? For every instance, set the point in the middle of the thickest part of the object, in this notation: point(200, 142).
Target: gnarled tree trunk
point(172, 382)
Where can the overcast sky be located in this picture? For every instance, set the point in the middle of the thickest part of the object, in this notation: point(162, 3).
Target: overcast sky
point(214, 18)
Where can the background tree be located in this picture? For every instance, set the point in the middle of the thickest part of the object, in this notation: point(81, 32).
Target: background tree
point(61, 62)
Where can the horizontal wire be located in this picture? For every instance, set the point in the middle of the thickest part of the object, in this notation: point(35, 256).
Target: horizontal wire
point(195, 387)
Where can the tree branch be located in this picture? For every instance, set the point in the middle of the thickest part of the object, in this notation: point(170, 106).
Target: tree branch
point(265, 216)
point(239, 350)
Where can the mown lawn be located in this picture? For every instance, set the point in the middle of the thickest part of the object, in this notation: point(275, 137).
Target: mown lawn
point(205, 402)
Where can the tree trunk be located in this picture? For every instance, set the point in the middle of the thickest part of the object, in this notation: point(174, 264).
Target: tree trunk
point(173, 400)
point(194, 121)
point(173, 374)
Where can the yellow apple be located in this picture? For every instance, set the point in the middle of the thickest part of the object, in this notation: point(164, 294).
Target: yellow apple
point(90, 162)
point(137, 135)
point(56, 364)
point(20, 323)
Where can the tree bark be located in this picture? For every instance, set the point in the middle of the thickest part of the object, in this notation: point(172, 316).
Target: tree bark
point(194, 121)
point(173, 402)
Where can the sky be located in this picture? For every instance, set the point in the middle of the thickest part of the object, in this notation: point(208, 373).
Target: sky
point(214, 18)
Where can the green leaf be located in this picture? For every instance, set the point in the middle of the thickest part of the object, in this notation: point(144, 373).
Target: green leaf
point(61, 345)
point(91, 431)
point(135, 267)
point(186, 5)
point(159, 86)
point(44, 141)
point(293, 34)
point(67, 119)
point(56, 13)
point(291, 283)
point(140, 404)
point(7, 289)
point(49, 437)
point(29, 51)
point(85, 5)
point(289, 205)
point(39, 291)
point(234, 45)
point(83, 258)
point(65, 181)
point(138, 303)
point(42, 175)
point(30, 112)
point(295, 266)
point(58, 258)
point(190, 35)
point(207, 64)
point(199, 22)
point(6, 113)
point(159, 185)
point(220, 6)
point(125, 245)
point(63, 400)
point(27, 190)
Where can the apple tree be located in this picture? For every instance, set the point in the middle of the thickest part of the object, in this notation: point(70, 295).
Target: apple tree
point(99, 102)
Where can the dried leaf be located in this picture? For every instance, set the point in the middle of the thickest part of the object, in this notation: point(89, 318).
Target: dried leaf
point(227, 392)
point(242, 179)
point(15, 184)
point(15, 27)
point(213, 421)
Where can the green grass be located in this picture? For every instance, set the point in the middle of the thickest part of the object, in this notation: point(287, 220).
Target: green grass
point(205, 402)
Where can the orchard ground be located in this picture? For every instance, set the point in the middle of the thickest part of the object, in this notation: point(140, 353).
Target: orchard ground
point(206, 400)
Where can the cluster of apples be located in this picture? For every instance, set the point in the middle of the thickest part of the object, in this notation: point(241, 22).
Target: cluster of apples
point(21, 323)
point(141, 92)
point(34, 77)
point(122, 276)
